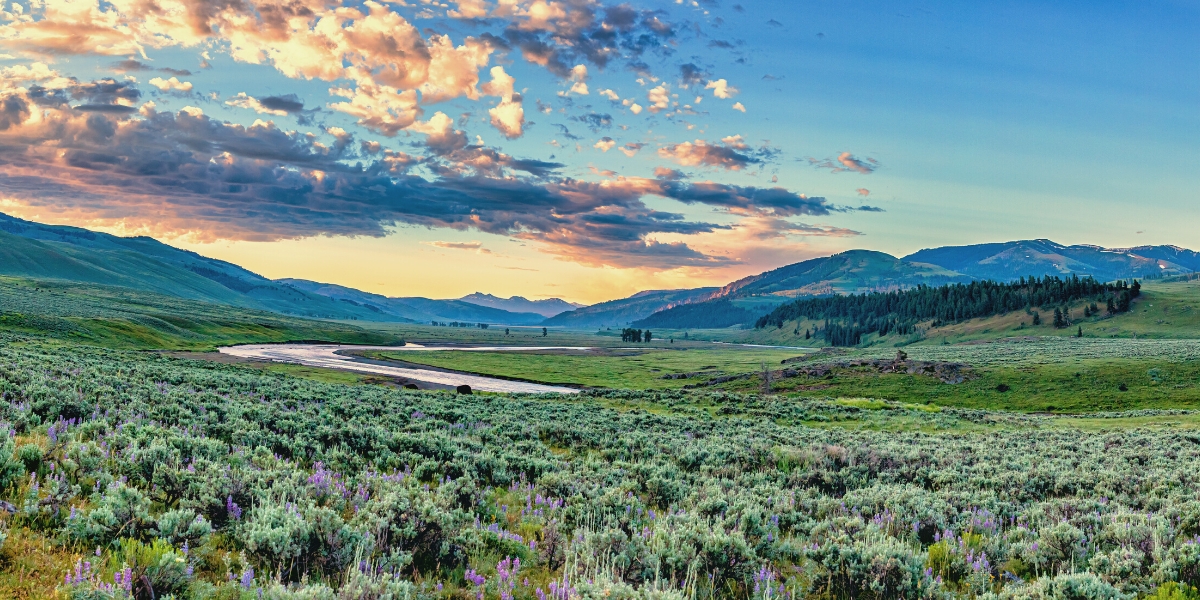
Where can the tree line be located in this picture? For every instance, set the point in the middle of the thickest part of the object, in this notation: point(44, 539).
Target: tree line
point(636, 335)
point(849, 318)
point(460, 324)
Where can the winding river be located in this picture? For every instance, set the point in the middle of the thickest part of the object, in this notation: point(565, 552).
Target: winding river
point(330, 356)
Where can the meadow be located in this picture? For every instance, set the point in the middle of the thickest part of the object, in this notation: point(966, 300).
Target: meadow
point(132, 474)
point(625, 368)
point(179, 473)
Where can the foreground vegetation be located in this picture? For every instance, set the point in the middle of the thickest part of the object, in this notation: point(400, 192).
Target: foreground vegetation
point(148, 476)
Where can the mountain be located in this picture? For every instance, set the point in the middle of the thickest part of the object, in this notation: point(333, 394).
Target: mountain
point(547, 308)
point(418, 310)
point(850, 272)
point(619, 313)
point(1010, 260)
point(38, 251)
point(860, 271)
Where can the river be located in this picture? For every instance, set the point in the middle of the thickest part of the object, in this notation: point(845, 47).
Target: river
point(328, 356)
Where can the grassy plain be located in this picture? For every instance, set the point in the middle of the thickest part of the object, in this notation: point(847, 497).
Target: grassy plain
point(617, 368)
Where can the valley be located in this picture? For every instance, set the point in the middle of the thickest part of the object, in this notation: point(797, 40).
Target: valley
point(201, 391)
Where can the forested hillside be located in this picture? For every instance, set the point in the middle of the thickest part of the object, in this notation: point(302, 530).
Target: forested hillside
point(849, 318)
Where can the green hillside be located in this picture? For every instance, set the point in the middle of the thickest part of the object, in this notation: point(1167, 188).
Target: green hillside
point(120, 317)
point(22, 257)
point(37, 251)
point(1166, 309)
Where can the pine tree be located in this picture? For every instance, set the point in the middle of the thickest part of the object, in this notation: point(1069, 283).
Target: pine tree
point(1079, 332)
point(1058, 319)
point(1037, 318)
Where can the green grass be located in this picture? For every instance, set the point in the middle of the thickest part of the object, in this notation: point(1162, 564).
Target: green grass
point(117, 317)
point(627, 369)
point(1076, 387)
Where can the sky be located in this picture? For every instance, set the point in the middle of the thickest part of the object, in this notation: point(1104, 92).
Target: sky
point(588, 150)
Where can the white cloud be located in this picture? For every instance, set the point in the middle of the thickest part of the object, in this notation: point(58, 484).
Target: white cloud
point(172, 84)
point(659, 98)
point(579, 74)
point(721, 89)
point(509, 116)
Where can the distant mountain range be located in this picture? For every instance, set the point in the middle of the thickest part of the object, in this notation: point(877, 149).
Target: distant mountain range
point(618, 313)
point(859, 271)
point(517, 304)
point(1009, 260)
point(38, 251)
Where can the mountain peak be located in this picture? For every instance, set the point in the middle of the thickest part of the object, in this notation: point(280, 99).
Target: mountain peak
point(547, 308)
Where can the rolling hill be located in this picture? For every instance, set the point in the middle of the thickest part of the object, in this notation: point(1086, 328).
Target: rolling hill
point(53, 252)
point(122, 317)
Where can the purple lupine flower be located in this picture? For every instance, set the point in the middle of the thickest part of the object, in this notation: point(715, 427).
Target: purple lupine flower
point(231, 507)
point(248, 578)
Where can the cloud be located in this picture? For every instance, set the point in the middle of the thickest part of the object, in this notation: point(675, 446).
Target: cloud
point(665, 173)
point(185, 173)
point(558, 35)
point(721, 89)
point(474, 245)
point(508, 117)
point(605, 144)
point(631, 148)
point(863, 192)
point(690, 74)
point(578, 79)
point(846, 162)
point(382, 69)
point(659, 98)
point(595, 121)
point(739, 107)
point(611, 95)
point(731, 153)
point(273, 106)
point(469, 9)
point(131, 66)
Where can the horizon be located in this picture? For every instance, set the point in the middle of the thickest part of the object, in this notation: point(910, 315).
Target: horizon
point(535, 299)
point(590, 150)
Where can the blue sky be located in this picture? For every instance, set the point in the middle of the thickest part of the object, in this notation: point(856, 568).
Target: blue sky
point(353, 143)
